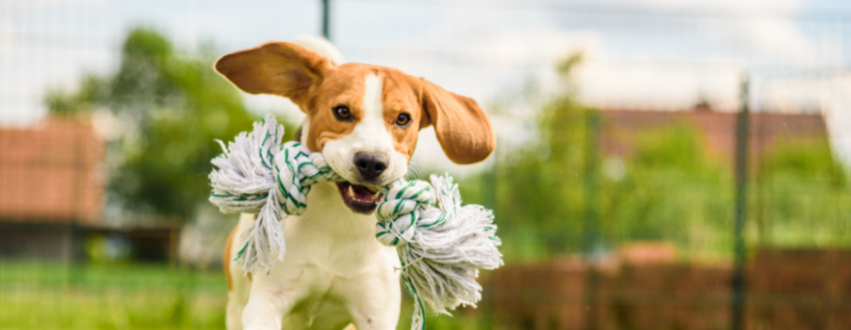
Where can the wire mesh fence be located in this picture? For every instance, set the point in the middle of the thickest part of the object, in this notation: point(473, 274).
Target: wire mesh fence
point(631, 189)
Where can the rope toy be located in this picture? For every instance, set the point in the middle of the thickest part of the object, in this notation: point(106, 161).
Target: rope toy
point(441, 248)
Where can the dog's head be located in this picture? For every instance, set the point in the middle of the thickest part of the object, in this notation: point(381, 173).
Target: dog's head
point(365, 119)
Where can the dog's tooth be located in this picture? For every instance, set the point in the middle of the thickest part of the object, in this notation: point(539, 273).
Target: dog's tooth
point(352, 191)
point(376, 194)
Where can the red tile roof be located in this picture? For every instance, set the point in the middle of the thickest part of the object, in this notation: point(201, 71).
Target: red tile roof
point(716, 129)
point(52, 173)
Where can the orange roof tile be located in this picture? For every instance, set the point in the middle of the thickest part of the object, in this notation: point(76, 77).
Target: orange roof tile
point(51, 173)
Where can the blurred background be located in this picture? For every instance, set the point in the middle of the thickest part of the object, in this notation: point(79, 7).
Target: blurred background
point(662, 164)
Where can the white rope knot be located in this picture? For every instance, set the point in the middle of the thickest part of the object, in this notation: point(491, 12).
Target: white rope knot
point(302, 169)
point(441, 248)
point(401, 212)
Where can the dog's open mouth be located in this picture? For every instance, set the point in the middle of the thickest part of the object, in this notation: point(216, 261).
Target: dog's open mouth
point(360, 199)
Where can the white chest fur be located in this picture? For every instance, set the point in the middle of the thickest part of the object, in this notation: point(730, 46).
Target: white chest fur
point(333, 238)
point(334, 272)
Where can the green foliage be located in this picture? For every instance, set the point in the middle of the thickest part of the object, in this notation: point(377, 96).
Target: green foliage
point(807, 159)
point(171, 106)
point(670, 191)
point(802, 197)
point(537, 194)
point(63, 103)
point(665, 189)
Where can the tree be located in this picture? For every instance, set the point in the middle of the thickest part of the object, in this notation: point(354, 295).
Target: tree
point(543, 195)
point(666, 188)
point(170, 107)
point(539, 187)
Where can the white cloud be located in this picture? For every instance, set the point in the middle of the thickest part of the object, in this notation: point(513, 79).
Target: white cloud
point(780, 37)
point(746, 35)
point(658, 87)
point(538, 45)
point(7, 38)
point(505, 38)
point(765, 28)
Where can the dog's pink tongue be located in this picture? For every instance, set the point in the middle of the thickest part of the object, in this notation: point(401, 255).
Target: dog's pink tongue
point(363, 194)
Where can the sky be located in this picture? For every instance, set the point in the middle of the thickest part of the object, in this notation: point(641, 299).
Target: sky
point(644, 54)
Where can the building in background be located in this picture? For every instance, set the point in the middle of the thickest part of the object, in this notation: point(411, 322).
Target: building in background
point(52, 181)
point(51, 185)
point(715, 128)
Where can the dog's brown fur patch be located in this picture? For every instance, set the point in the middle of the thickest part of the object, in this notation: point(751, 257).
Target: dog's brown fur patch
point(226, 259)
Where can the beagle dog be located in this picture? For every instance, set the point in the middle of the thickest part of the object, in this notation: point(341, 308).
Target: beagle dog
point(365, 120)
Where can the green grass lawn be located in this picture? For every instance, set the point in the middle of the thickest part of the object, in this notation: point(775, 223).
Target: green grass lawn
point(55, 296)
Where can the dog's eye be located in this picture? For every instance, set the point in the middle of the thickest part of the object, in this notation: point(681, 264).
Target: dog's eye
point(342, 113)
point(403, 120)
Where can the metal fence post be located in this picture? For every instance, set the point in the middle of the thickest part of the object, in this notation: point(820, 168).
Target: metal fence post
point(591, 226)
point(326, 19)
point(491, 200)
point(738, 280)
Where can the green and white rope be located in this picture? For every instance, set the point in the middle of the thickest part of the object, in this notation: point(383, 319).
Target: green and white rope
point(441, 244)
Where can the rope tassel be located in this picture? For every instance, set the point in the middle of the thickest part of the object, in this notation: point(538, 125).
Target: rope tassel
point(441, 248)
point(245, 183)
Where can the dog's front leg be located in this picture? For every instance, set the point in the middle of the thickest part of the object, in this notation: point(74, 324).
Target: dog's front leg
point(374, 300)
point(269, 301)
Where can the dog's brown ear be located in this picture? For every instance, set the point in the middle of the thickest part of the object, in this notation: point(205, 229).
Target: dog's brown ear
point(463, 129)
point(279, 68)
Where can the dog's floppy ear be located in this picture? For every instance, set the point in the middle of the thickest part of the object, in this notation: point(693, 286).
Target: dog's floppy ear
point(279, 68)
point(463, 129)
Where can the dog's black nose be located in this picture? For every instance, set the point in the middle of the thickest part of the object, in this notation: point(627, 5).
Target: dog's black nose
point(370, 165)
